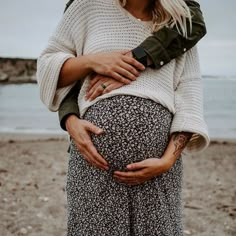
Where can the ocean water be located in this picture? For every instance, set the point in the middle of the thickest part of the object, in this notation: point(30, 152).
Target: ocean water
point(21, 110)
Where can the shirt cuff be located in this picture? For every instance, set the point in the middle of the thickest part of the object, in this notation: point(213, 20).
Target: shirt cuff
point(187, 123)
point(63, 118)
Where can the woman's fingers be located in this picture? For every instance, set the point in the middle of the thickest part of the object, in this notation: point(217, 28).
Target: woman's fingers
point(93, 82)
point(80, 131)
point(130, 68)
point(120, 78)
point(126, 74)
point(111, 87)
point(134, 63)
point(131, 175)
point(128, 174)
point(95, 155)
point(95, 159)
point(90, 153)
point(138, 165)
point(132, 178)
point(89, 145)
point(92, 128)
point(96, 89)
point(87, 156)
point(85, 146)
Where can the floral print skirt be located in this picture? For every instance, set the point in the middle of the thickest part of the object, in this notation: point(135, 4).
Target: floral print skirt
point(98, 205)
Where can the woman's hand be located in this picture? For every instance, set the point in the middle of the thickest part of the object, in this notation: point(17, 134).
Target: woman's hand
point(96, 89)
point(140, 172)
point(119, 65)
point(79, 130)
point(143, 171)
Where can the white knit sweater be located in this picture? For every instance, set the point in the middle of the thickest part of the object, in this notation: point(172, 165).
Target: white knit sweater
point(103, 26)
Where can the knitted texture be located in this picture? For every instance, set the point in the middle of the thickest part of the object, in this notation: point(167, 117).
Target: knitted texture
point(104, 26)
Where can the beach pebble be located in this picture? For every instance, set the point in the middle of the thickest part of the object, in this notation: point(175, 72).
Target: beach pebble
point(23, 231)
point(3, 77)
point(44, 199)
point(187, 232)
point(40, 215)
point(29, 227)
point(5, 200)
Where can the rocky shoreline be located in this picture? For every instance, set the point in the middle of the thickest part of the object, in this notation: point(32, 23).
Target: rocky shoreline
point(17, 70)
point(22, 70)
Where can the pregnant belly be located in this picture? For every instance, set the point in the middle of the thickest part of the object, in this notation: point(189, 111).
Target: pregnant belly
point(135, 129)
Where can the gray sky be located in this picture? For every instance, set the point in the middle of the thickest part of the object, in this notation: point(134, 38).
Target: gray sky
point(26, 25)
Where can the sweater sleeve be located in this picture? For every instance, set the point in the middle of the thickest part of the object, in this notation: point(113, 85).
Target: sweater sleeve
point(189, 115)
point(60, 48)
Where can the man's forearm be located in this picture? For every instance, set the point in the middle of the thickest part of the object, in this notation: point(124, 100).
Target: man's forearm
point(167, 44)
point(69, 105)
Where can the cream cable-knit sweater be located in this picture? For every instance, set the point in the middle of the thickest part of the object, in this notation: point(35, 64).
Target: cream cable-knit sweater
point(103, 26)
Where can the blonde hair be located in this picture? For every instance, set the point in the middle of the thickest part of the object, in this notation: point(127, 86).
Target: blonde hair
point(169, 13)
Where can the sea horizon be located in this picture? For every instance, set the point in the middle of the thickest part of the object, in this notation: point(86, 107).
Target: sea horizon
point(22, 112)
point(204, 75)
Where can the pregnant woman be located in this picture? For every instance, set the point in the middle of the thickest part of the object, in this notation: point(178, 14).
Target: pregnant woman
point(132, 184)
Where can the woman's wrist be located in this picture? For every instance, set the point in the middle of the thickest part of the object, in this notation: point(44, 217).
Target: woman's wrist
point(168, 162)
point(70, 119)
point(89, 62)
point(73, 69)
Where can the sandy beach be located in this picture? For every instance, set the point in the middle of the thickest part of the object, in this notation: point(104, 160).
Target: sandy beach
point(33, 200)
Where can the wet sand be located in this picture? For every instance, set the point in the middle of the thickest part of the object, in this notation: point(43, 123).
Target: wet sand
point(33, 200)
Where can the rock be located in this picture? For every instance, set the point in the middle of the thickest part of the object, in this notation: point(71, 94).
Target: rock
point(29, 227)
point(23, 231)
point(3, 77)
point(187, 232)
point(40, 215)
point(5, 200)
point(22, 79)
point(17, 70)
point(3, 171)
point(44, 199)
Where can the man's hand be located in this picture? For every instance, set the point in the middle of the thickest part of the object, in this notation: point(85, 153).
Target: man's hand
point(79, 131)
point(143, 171)
point(96, 89)
point(119, 65)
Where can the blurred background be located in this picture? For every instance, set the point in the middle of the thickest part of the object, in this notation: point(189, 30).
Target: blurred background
point(26, 25)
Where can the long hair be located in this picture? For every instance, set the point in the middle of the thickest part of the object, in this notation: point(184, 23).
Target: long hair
point(169, 13)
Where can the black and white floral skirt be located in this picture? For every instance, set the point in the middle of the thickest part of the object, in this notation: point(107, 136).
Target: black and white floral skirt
point(135, 129)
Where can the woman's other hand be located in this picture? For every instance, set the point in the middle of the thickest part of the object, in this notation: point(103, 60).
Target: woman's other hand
point(140, 172)
point(80, 130)
point(119, 65)
point(96, 87)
